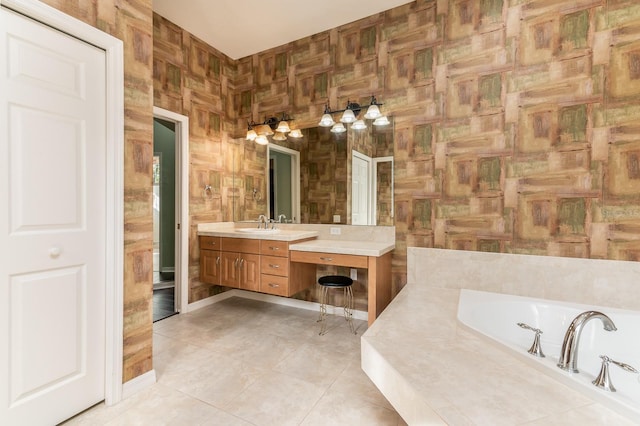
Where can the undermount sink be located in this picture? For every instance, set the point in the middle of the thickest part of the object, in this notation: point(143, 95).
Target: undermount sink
point(257, 231)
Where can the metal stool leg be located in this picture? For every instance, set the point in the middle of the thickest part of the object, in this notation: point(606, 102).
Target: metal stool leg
point(348, 307)
point(323, 310)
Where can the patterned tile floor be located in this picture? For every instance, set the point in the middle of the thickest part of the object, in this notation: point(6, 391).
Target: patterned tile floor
point(244, 362)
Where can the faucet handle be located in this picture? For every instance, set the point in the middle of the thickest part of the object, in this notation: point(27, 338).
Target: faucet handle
point(603, 380)
point(535, 349)
point(622, 365)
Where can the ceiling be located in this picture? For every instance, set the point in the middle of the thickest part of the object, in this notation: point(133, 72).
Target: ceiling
point(240, 28)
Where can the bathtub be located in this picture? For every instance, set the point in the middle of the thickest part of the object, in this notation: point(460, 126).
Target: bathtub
point(496, 316)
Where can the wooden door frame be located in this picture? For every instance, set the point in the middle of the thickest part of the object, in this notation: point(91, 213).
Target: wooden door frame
point(114, 241)
point(182, 204)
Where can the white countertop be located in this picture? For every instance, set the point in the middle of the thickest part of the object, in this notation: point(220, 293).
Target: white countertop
point(361, 248)
point(434, 371)
point(280, 235)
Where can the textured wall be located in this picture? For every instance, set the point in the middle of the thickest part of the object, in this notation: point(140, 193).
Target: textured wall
point(131, 22)
point(515, 121)
point(193, 79)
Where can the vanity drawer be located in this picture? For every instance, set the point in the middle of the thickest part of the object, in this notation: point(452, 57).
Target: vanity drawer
point(242, 245)
point(274, 248)
point(209, 243)
point(274, 284)
point(320, 258)
point(274, 265)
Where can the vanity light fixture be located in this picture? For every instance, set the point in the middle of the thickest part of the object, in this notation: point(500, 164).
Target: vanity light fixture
point(258, 132)
point(350, 116)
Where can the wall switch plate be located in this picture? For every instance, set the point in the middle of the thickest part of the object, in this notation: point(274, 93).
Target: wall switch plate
point(354, 274)
point(336, 218)
point(335, 231)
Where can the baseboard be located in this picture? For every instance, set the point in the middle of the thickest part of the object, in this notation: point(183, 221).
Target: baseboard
point(277, 300)
point(167, 269)
point(210, 300)
point(139, 383)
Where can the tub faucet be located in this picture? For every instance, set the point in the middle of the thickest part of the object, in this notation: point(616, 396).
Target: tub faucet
point(569, 352)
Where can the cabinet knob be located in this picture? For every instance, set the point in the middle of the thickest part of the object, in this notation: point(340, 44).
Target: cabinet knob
point(54, 252)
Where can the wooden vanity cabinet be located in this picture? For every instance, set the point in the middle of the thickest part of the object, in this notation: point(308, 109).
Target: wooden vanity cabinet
point(240, 263)
point(255, 265)
point(210, 260)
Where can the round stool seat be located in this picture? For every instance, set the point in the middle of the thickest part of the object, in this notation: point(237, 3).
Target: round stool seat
point(335, 281)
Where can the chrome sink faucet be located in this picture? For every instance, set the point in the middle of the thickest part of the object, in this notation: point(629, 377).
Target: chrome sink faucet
point(262, 219)
point(569, 353)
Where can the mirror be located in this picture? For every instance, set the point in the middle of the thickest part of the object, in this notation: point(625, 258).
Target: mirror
point(323, 178)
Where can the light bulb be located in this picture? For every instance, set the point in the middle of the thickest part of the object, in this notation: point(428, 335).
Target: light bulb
point(262, 140)
point(279, 136)
point(348, 116)
point(251, 135)
point(381, 121)
point(283, 127)
point(295, 133)
point(359, 125)
point(326, 121)
point(373, 112)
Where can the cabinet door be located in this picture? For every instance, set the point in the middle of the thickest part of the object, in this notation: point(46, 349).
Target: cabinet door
point(230, 276)
point(250, 272)
point(210, 263)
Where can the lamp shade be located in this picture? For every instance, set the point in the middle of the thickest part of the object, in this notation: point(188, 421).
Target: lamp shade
point(326, 121)
point(348, 116)
point(279, 136)
point(262, 140)
point(283, 127)
point(338, 128)
point(359, 125)
point(251, 135)
point(373, 112)
point(381, 121)
point(295, 133)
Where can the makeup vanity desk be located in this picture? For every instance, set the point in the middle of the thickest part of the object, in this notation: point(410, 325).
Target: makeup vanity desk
point(370, 255)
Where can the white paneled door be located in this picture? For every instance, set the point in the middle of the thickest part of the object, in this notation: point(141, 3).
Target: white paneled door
point(360, 189)
point(52, 223)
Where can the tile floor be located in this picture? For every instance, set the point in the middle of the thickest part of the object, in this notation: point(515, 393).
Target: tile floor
point(244, 362)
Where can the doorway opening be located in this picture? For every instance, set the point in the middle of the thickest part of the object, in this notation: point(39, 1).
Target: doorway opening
point(170, 213)
point(164, 212)
point(284, 184)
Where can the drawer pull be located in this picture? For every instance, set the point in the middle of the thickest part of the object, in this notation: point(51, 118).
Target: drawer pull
point(271, 265)
point(274, 248)
point(272, 285)
point(327, 259)
point(212, 243)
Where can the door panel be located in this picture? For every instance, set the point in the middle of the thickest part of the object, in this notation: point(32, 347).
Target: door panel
point(52, 223)
point(49, 305)
point(53, 149)
point(360, 191)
